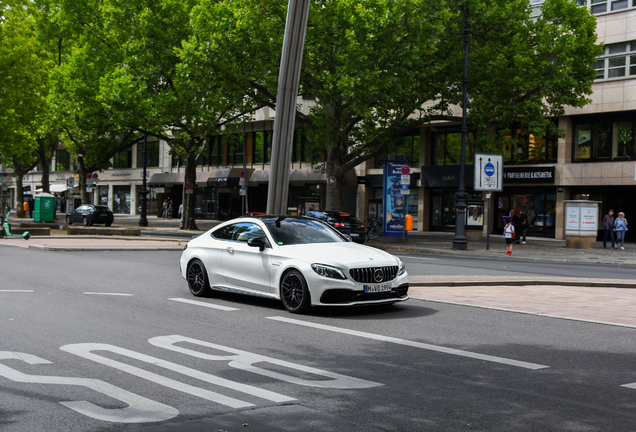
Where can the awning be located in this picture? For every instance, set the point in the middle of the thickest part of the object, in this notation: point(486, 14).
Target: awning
point(54, 187)
point(166, 179)
point(296, 176)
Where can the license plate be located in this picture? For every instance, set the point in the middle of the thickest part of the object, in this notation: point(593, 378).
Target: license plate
point(377, 288)
point(354, 235)
point(104, 214)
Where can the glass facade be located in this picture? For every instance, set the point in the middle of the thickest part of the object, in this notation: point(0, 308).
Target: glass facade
point(152, 154)
point(604, 140)
point(618, 61)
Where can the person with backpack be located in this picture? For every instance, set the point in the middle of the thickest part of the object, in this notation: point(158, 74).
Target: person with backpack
point(621, 227)
point(509, 234)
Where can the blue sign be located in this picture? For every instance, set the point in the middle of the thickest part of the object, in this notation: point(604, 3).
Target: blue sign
point(394, 203)
point(489, 169)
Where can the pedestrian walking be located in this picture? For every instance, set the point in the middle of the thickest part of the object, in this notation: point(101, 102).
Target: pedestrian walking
point(621, 227)
point(509, 234)
point(170, 210)
point(164, 209)
point(31, 207)
point(520, 222)
point(180, 210)
point(608, 226)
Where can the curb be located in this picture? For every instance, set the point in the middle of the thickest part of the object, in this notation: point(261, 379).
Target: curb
point(97, 249)
point(517, 282)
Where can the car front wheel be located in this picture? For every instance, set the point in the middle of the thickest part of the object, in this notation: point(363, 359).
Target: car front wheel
point(294, 292)
point(86, 221)
point(197, 278)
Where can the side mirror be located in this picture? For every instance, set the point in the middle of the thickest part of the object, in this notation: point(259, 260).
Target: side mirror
point(259, 242)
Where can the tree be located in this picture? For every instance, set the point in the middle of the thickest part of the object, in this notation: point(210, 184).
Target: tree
point(151, 90)
point(377, 67)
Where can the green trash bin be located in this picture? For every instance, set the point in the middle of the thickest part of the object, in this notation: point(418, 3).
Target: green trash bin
point(44, 208)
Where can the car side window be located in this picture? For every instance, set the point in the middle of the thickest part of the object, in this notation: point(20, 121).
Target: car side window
point(317, 215)
point(224, 233)
point(247, 230)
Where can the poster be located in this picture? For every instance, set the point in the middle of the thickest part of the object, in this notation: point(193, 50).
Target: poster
point(394, 202)
point(589, 219)
point(572, 218)
point(475, 215)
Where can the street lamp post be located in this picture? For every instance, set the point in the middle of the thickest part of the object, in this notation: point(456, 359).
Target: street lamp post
point(143, 222)
point(460, 242)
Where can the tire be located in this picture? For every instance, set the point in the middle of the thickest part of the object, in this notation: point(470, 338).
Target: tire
point(374, 232)
point(27, 236)
point(1, 233)
point(294, 292)
point(68, 220)
point(109, 224)
point(86, 221)
point(197, 278)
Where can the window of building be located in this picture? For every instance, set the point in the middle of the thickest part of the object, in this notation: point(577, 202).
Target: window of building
point(528, 148)
point(62, 160)
point(604, 141)
point(123, 159)
point(233, 149)
point(601, 6)
point(618, 61)
point(152, 154)
point(177, 161)
point(447, 148)
point(214, 145)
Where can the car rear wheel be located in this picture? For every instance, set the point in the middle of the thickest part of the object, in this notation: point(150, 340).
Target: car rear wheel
point(68, 220)
point(197, 278)
point(86, 221)
point(109, 224)
point(294, 292)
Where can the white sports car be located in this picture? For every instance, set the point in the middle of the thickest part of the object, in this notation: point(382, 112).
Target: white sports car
point(301, 261)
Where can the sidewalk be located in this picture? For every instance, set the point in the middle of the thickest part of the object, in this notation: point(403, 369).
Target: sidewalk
point(608, 301)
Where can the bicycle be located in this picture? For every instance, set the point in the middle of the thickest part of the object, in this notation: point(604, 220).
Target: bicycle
point(374, 230)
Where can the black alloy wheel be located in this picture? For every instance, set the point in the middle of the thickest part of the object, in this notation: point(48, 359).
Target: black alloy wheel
point(68, 220)
point(197, 278)
point(86, 221)
point(294, 292)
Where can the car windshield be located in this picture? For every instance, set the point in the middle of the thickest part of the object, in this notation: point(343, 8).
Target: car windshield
point(301, 231)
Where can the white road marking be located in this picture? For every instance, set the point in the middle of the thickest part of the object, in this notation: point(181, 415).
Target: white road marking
point(85, 350)
point(632, 385)
point(108, 294)
point(21, 291)
point(421, 345)
point(210, 305)
point(245, 361)
point(139, 410)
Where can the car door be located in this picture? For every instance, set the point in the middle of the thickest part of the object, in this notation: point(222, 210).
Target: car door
point(78, 214)
point(245, 266)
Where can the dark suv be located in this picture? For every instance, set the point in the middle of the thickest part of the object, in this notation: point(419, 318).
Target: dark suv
point(343, 222)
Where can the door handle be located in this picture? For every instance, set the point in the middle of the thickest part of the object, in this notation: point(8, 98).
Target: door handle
point(229, 249)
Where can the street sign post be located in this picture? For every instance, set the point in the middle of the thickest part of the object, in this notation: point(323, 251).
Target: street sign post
point(488, 177)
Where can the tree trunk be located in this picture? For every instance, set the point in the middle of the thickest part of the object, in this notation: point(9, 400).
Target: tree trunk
point(45, 162)
point(81, 169)
point(335, 179)
point(19, 193)
point(188, 221)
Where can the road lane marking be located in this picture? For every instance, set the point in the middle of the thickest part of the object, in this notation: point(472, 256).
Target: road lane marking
point(85, 350)
point(20, 291)
point(139, 409)
point(245, 361)
point(209, 305)
point(107, 294)
point(632, 385)
point(421, 345)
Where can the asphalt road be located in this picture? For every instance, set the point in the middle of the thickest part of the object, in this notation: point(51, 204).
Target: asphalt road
point(439, 264)
point(111, 341)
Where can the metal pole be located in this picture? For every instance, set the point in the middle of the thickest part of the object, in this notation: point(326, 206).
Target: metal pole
point(460, 242)
point(406, 206)
point(143, 221)
point(488, 224)
point(288, 78)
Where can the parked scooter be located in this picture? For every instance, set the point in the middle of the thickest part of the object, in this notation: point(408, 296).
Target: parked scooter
point(5, 231)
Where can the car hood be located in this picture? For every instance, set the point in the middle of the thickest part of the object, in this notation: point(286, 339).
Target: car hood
point(340, 254)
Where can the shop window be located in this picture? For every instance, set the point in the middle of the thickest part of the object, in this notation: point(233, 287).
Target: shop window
point(152, 154)
point(62, 160)
point(123, 159)
point(604, 141)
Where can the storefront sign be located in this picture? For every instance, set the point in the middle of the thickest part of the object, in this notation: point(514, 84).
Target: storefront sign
point(528, 175)
point(446, 176)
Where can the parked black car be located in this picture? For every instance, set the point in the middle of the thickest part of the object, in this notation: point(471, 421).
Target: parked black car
point(89, 214)
point(343, 222)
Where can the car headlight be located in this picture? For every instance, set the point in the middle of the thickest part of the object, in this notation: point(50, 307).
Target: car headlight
point(402, 267)
point(328, 271)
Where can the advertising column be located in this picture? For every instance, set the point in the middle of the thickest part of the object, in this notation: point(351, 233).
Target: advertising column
point(394, 201)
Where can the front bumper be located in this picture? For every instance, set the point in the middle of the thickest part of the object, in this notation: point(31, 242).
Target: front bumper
point(347, 297)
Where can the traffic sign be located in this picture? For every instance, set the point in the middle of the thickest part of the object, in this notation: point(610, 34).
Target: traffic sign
point(5, 175)
point(89, 176)
point(405, 179)
point(71, 182)
point(89, 187)
point(189, 185)
point(243, 173)
point(406, 170)
point(95, 176)
point(488, 172)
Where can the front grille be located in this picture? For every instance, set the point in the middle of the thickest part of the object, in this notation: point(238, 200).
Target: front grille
point(369, 275)
point(344, 296)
